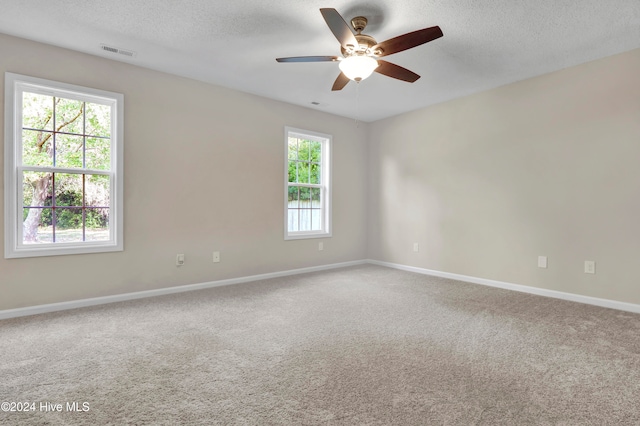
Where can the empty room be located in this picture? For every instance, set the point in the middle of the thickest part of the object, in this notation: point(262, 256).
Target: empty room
point(301, 213)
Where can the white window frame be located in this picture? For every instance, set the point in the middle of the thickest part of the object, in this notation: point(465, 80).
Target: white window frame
point(15, 85)
point(325, 184)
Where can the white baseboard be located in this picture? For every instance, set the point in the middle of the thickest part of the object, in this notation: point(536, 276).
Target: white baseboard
point(63, 306)
point(606, 303)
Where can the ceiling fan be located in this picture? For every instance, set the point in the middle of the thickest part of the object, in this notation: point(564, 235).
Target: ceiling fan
point(360, 52)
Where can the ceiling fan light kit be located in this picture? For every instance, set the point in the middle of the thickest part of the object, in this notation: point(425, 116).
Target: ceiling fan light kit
point(358, 67)
point(361, 52)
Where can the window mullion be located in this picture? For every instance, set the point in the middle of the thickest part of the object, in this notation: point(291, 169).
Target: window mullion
point(64, 170)
point(306, 185)
point(84, 204)
point(84, 135)
point(54, 213)
point(53, 135)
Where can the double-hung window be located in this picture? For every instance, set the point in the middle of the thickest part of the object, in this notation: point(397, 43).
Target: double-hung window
point(63, 168)
point(307, 184)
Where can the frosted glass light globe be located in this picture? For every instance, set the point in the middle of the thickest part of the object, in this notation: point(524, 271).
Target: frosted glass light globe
point(358, 67)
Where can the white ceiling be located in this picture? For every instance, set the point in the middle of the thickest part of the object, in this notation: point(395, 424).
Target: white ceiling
point(234, 43)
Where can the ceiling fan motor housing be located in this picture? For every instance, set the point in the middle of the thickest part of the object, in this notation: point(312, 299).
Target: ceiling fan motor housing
point(365, 42)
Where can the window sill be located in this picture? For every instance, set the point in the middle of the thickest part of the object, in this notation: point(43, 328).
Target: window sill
point(61, 250)
point(307, 235)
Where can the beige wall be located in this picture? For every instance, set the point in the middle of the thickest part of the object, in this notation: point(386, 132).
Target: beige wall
point(485, 184)
point(203, 171)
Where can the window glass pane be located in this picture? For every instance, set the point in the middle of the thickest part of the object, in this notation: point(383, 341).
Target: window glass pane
point(37, 192)
point(315, 198)
point(69, 151)
point(37, 148)
point(314, 173)
point(305, 197)
point(69, 116)
point(303, 150)
point(68, 190)
point(293, 148)
point(68, 225)
point(37, 111)
point(96, 224)
point(98, 154)
point(305, 219)
point(316, 151)
point(36, 189)
point(292, 220)
point(97, 191)
point(293, 171)
point(316, 217)
point(37, 226)
point(98, 120)
point(303, 172)
point(294, 197)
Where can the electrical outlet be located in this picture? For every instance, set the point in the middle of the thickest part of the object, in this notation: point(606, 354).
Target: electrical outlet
point(179, 259)
point(589, 267)
point(416, 247)
point(216, 256)
point(542, 261)
point(320, 246)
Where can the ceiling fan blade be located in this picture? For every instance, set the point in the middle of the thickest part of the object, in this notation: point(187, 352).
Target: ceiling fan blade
point(339, 27)
point(407, 41)
point(396, 71)
point(308, 59)
point(340, 82)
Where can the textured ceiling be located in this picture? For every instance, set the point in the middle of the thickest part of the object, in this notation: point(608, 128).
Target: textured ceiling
point(486, 44)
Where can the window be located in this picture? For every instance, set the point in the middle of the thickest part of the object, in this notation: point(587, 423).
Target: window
point(63, 168)
point(307, 191)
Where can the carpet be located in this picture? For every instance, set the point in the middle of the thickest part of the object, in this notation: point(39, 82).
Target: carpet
point(364, 345)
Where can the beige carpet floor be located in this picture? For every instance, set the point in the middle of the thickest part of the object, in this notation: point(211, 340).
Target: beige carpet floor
point(363, 345)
